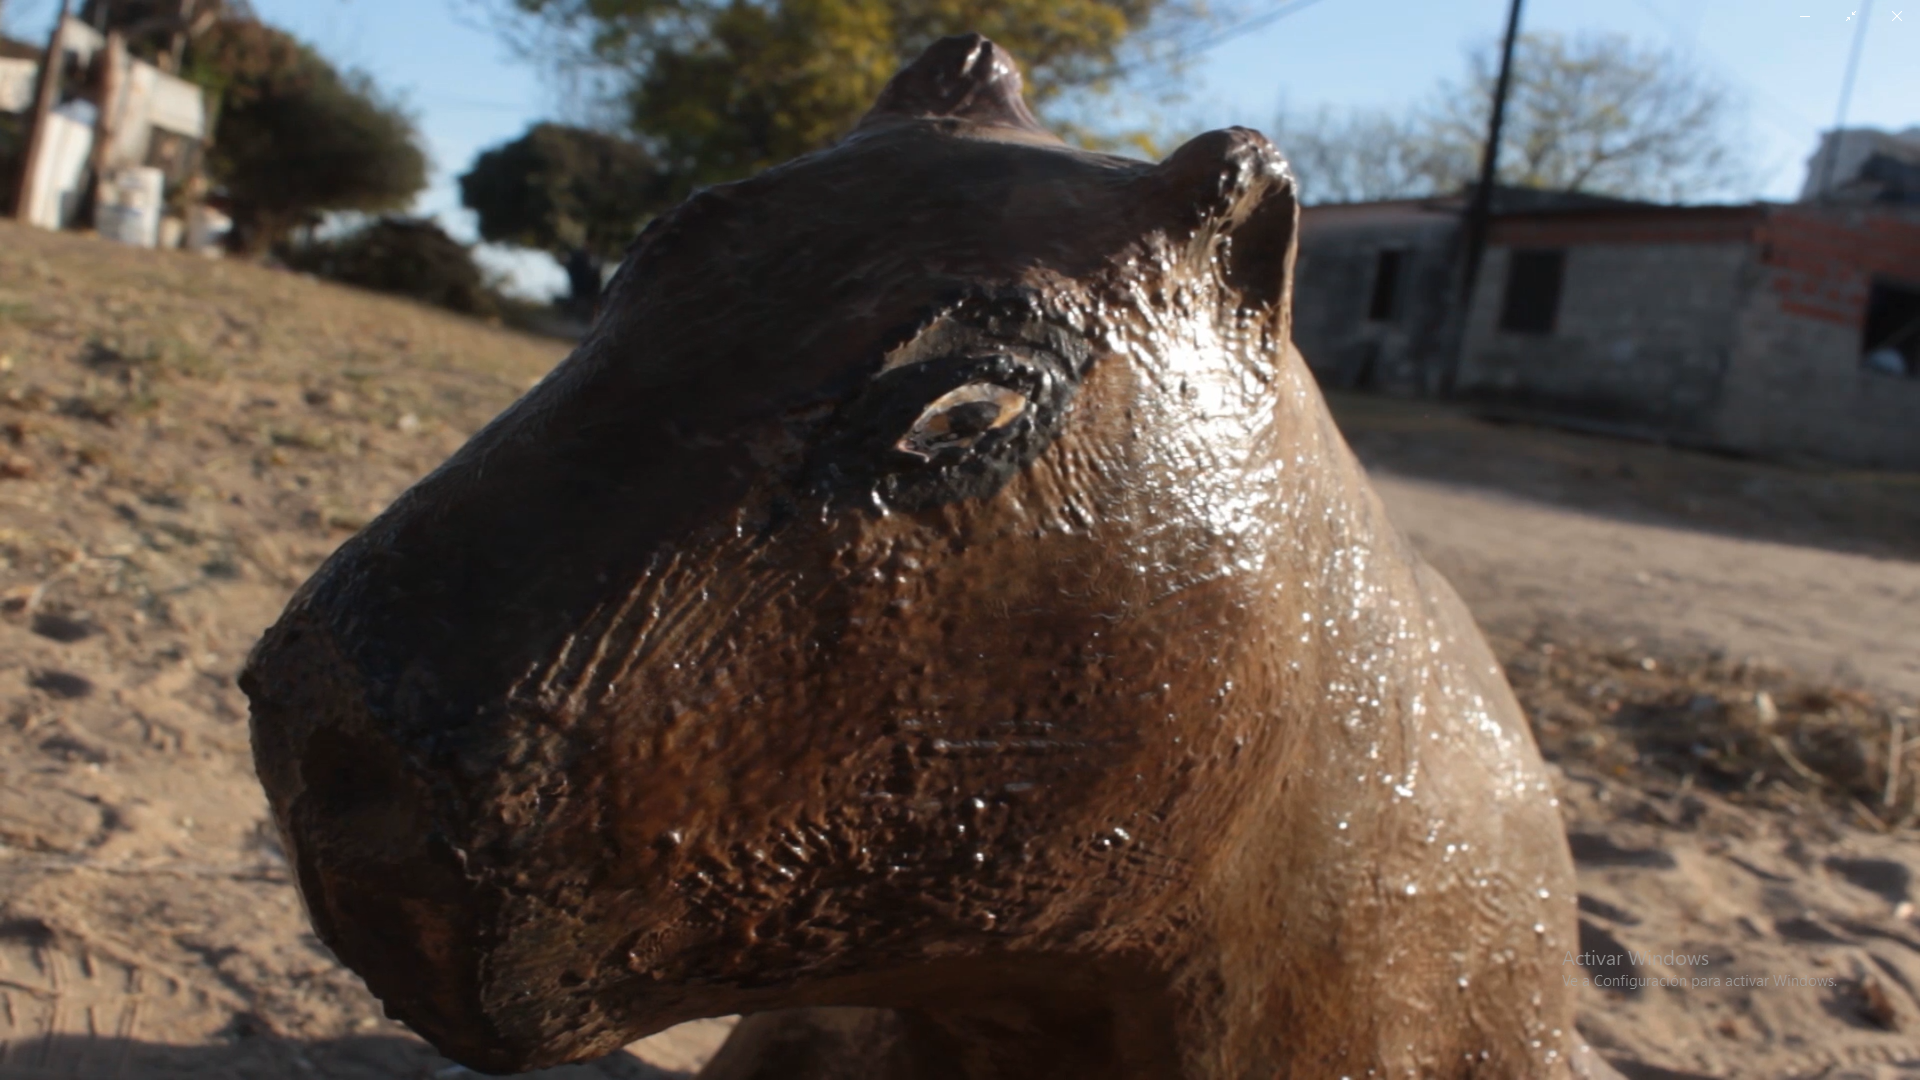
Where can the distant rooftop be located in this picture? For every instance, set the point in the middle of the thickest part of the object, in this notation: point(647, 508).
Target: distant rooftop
point(1507, 199)
point(1865, 165)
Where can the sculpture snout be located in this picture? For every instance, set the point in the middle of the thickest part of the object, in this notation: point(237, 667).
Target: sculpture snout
point(384, 880)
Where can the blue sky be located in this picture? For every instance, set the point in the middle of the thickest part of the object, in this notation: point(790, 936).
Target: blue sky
point(1785, 58)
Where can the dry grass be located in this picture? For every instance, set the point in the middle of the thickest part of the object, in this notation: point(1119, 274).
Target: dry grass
point(1753, 732)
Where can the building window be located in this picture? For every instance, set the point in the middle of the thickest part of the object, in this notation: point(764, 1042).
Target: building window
point(1386, 286)
point(1533, 290)
point(1890, 339)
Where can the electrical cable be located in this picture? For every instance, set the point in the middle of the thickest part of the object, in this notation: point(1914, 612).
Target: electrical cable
point(1214, 41)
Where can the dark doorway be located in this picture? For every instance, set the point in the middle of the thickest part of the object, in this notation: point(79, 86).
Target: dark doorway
point(1386, 286)
point(1890, 337)
point(1532, 300)
point(1360, 373)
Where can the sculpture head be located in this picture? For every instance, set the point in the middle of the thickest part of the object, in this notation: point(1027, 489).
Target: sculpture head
point(859, 606)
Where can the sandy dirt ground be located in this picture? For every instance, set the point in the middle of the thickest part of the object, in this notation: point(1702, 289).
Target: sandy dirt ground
point(1817, 567)
point(1852, 618)
point(1718, 655)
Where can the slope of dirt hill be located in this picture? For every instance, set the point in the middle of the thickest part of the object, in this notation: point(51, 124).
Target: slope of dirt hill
point(181, 443)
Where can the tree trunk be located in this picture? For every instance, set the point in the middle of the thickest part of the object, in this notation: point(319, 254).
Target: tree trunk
point(584, 276)
point(257, 231)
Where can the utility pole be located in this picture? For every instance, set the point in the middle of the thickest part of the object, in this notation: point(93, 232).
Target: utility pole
point(1480, 208)
point(177, 44)
point(52, 67)
point(1846, 96)
point(106, 127)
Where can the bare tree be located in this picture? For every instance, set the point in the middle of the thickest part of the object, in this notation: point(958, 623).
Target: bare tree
point(1600, 114)
point(1355, 156)
point(1594, 113)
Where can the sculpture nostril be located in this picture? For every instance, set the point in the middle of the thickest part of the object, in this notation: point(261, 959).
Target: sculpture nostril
point(367, 834)
point(356, 800)
point(386, 889)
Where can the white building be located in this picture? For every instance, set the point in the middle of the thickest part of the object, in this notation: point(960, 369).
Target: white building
point(1865, 165)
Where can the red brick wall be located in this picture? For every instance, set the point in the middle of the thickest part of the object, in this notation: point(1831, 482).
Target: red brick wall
point(1822, 262)
point(1755, 312)
point(1794, 384)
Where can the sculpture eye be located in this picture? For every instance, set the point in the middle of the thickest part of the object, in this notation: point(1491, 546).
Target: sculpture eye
point(958, 418)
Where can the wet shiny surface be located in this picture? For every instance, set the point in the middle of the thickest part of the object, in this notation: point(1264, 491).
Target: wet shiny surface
point(935, 585)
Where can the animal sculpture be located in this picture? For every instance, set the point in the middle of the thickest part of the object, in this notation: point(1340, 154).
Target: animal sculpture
point(933, 613)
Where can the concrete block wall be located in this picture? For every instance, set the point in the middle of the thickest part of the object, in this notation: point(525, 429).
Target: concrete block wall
point(1339, 252)
point(1642, 335)
point(1796, 386)
point(1736, 327)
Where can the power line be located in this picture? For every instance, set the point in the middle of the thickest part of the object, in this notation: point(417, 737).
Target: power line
point(1691, 42)
point(1237, 30)
point(1853, 63)
point(1479, 217)
point(1258, 22)
point(1846, 92)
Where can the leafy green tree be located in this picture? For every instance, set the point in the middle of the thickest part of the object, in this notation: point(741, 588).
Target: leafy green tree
point(1596, 113)
point(720, 89)
point(411, 257)
point(296, 137)
point(576, 194)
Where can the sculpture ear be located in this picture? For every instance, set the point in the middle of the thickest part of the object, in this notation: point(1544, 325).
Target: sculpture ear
point(964, 77)
point(1232, 191)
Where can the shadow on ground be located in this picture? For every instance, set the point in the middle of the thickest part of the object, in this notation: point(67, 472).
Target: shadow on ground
point(377, 1057)
point(372, 1057)
point(1859, 512)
